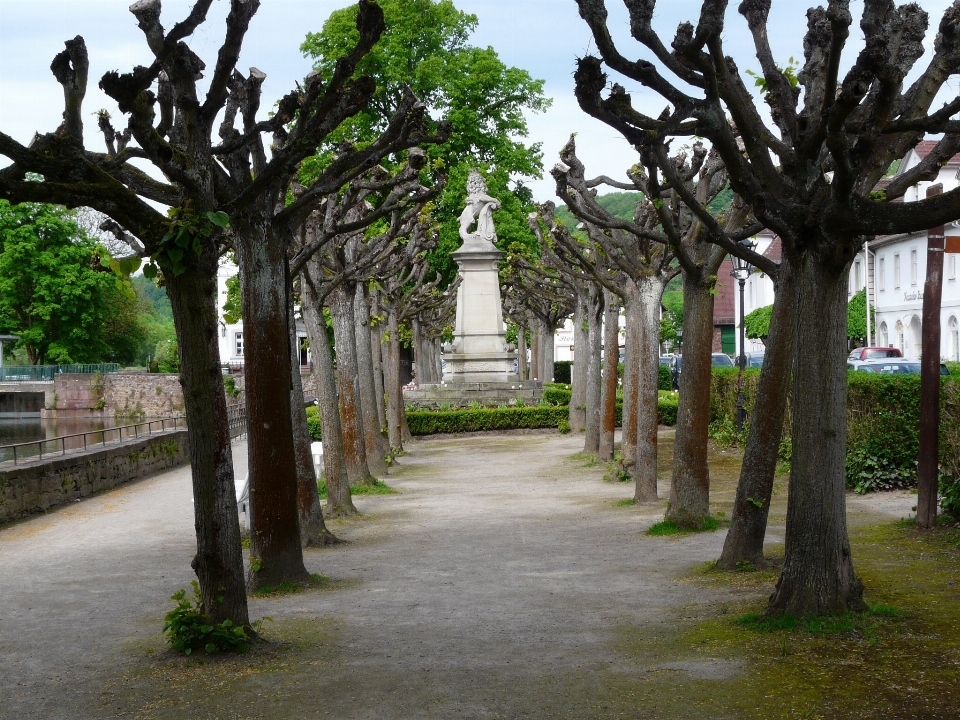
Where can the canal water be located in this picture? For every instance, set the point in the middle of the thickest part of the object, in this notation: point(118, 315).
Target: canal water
point(30, 430)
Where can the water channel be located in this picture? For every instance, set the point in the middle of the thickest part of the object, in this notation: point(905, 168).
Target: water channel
point(23, 430)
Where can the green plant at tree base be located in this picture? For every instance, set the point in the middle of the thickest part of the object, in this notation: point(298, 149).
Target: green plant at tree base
point(230, 386)
point(187, 628)
point(563, 425)
point(669, 527)
point(377, 488)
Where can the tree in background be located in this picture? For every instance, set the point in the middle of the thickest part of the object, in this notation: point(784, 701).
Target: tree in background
point(55, 294)
point(426, 47)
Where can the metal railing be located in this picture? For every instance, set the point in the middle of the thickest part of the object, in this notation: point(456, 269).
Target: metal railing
point(41, 373)
point(174, 423)
point(237, 420)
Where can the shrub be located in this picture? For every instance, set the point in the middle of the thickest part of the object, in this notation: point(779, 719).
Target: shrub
point(230, 386)
point(563, 426)
point(561, 371)
point(556, 396)
point(188, 629)
point(426, 422)
point(664, 378)
point(313, 423)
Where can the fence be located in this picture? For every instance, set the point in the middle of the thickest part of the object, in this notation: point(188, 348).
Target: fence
point(237, 420)
point(20, 451)
point(41, 373)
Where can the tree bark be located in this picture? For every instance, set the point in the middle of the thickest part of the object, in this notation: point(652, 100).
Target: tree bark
point(535, 351)
point(611, 355)
point(577, 411)
point(275, 550)
point(376, 350)
point(313, 531)
point(591, 438)
point(631, 379)
point(348, 382)
point(219, 561)
point(374, 443)
point(690, 485)
point(339, 500)
point(392, 387)
point(522, 352)
point(650, 289)
point(748, 527)
point(818, 574)
point(547, 352)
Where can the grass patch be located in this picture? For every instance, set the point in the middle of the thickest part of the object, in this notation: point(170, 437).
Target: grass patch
point(669, 527)
point(861, 624)
point(378, 488)
point(316, 581)
point(626, 502)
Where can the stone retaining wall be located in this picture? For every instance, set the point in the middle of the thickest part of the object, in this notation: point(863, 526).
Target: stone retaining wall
point(37, 486)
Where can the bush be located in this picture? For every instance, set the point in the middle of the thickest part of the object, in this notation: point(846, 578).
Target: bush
point(426, 422)
point(665, 378)
point(561, 371)
point(187, 629)
point(556, 396)
point(313, 423)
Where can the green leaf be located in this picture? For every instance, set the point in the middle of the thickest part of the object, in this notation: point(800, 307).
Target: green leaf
point(219, 218)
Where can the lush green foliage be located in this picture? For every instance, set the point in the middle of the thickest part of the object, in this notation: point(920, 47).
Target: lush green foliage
point(188, 628)
point(313, 423)
point(57, 296)
point(427, 422)
point(426, 47)
point(167, 357)
point(756, 324)
point(155, 315)
point(561, 371)
point(233, 305)
point(857, 317)
point(664, 378)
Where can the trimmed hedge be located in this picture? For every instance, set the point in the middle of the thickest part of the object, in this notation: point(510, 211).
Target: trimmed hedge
point(313, 423)
point(427, 422)
point(664, 378)
point(561, 371)
point(883, 415)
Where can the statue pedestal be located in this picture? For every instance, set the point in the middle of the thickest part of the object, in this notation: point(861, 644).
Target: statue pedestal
point(480, 353)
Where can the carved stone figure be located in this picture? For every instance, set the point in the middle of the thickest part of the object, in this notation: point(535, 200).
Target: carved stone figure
point(479, 208)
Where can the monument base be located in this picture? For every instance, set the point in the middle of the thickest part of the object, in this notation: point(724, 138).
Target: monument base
point(487, 394)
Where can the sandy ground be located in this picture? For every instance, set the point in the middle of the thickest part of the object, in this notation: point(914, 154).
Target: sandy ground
point(496, 584)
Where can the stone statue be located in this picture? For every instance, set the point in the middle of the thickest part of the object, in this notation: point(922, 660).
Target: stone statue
point(479, 207)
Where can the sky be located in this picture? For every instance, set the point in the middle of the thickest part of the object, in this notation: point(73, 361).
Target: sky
point(543, 37)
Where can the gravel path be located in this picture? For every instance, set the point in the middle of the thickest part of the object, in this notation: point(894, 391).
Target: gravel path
point(499, 582)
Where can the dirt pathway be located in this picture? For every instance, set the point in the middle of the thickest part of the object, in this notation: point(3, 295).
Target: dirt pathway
point(503, 581)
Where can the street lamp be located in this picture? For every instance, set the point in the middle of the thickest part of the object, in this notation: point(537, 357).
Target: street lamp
point(741, 271)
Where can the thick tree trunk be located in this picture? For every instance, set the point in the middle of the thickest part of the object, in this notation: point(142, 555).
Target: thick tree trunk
point(535, 351)
point(339, 500)
point(392, 387)
point(611, 355)
point(522, 352)
point(591, 438)
point(744, 542)
point(650, 289)
point(690, 485)
point(374, 443)
point(219, 561)
point(313, 531)
point(348, 383)
point(577, 411)
point(547, 352)
point(376, 350)
point(818, 574)
point(275, 550)
point(631, 379)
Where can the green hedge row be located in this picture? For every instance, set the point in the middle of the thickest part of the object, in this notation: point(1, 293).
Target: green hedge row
point(313, 423)
point(428, 422)
point(883, 415)
point(562, 370)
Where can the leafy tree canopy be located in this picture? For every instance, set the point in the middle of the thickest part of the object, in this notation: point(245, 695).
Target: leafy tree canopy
point(756, 325)
point(55, 294)
point(857, 317)
point(426, 47)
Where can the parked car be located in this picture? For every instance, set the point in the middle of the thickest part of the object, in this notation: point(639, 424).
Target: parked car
point(870, 353)
point(665, 359)
point(676, 365)
point(754, 359)
point(891, 366)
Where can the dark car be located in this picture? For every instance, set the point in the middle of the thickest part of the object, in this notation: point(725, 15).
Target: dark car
point(676, 365)
point(871, 353)
point(754, 359)
point(891, 366)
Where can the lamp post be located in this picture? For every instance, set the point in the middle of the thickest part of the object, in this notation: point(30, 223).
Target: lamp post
point(741, 271)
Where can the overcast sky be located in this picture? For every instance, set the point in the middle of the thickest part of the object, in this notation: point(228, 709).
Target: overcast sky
point(542, 36)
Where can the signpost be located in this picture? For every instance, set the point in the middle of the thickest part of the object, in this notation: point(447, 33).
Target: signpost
point(928, 466)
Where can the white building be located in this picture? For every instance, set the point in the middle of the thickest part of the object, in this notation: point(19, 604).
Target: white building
point(758, 289)
point(231, 335)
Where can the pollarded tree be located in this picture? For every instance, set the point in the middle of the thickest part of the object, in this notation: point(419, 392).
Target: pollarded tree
point(811, 176)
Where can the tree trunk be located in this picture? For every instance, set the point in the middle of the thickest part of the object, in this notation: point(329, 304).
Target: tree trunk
point(577, 411)
point(392, 387)
point(219, 561)
point(339, 500)
point(611, 355)
point(631, 380)
point(744, 542)
point(547, 352)
point(313, 531)
point(275, 550)
point(376, 350)
point(591, 438)
point(690, 485)
point(374, 443)
point(818, 574)
point(522, 352)
point(348, 383)
point(535, 351)
point(650, 289)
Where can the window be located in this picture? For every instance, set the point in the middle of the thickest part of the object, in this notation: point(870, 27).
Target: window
point(954, 338)
point(896, 270)
point(239, 337)
point(951, 266)
point(913, 267)
point(900, 343)
point(857, 281)
point(884, 336)
point(881, 276)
